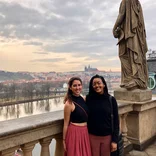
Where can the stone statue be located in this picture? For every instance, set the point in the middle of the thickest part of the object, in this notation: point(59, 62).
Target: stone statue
point(129, 28)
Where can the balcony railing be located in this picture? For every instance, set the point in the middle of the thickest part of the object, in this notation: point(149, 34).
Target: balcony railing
point(25, 133)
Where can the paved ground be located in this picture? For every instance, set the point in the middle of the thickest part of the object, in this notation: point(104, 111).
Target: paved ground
point(150, 151)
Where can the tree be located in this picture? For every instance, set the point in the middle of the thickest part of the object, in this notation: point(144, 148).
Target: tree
point(12, 90)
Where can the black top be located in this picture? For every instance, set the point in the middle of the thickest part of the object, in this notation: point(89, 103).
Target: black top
point(99, 121)
point(79, 115)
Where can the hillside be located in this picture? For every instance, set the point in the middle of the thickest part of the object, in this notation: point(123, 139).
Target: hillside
point(4, 75)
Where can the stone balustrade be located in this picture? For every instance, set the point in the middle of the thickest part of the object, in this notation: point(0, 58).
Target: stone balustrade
point(124, 109)
point(25, 133)
point(137, 121)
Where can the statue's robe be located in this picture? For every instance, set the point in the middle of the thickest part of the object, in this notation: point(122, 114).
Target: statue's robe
point(132, 44)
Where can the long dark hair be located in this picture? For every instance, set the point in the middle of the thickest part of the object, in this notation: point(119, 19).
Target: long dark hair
point(68, 96)
point(92, 92)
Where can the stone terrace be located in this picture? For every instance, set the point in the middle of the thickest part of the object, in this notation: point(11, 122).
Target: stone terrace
point(149, 151)
point(137, 124)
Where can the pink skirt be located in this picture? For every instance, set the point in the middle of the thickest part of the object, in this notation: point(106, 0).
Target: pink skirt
point(77, 141)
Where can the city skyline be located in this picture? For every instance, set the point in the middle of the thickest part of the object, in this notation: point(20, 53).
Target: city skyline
point(63, 35)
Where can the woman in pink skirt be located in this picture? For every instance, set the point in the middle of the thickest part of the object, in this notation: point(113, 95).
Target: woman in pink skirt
point(75, 133)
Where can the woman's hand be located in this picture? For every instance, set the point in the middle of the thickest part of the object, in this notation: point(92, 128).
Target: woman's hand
point(113, 146)
point(64, 146)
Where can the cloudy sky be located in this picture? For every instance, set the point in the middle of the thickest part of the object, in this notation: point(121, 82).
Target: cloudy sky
point(63, 35)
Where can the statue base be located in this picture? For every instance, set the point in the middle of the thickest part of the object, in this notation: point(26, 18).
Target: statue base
point(136, 95)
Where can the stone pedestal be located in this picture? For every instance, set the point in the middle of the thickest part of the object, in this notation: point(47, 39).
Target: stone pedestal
point(135, 95)
point(141, 126)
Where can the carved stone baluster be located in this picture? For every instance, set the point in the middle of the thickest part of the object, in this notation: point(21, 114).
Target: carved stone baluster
point(124, 128)
point(45, 146)
point(9, 152)
point(28, 148)
point(59, 145)
point(120, 123)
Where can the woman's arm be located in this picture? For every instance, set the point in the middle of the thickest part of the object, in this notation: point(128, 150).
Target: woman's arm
point(115, 126)
point(115, 121)
point(67, 112)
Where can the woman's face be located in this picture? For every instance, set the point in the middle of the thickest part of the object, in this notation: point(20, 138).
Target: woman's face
point(98, 85)
point(76, 87)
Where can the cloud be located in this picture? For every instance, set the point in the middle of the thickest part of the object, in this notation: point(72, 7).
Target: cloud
point(80, 28)
point(42, 53)
point(25, 23)
point(90, 42)
point(33, 43)
point(49, 60)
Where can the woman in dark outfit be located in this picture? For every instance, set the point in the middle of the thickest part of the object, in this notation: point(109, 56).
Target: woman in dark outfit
point(75, 133)
point(103, 142)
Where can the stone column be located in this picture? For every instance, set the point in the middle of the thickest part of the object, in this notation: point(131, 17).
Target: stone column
point(9, 152)
point(45, 146)
point(28, 148)
point(124, 128)
point(59, 145)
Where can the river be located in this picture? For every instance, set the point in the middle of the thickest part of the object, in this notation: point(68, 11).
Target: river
point(31, 108)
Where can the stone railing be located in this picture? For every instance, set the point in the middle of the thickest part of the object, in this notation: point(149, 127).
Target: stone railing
point(138, 124)
point(25, 133)
point(124, 109)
